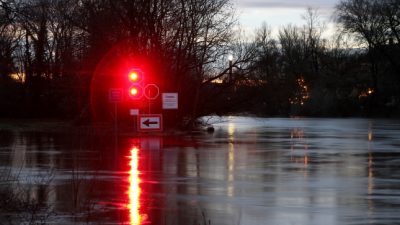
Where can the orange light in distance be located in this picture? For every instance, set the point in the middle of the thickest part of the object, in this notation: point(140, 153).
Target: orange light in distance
point(134, 189)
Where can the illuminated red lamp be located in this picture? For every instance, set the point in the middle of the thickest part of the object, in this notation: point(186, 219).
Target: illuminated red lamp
point(136, 91)
point(135, 75)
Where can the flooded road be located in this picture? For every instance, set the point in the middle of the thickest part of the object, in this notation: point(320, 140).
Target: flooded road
point(249, 171)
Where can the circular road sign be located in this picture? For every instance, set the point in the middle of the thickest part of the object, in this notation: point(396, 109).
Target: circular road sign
point(151, 91)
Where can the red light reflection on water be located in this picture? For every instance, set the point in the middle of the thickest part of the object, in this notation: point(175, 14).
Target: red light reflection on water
point(134, 190)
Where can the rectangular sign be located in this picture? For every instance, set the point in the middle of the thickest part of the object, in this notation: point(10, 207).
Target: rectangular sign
point(134, 112)
point(170, 100)
point(115, 95)
point(150, 122)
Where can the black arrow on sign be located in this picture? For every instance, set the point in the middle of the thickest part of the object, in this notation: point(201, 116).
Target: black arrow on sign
point(148, 122)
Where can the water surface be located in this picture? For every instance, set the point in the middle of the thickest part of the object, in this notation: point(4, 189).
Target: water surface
point(249, 171)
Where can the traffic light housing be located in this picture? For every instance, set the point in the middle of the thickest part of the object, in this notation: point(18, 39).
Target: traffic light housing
point(135, 77)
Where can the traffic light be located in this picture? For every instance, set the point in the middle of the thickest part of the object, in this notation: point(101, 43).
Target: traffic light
point(135, 77)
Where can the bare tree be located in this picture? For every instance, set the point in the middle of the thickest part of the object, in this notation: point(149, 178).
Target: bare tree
point(7, 41)
point(314, 43)
point(187, 42)
point(376, 24)
point(267, 54)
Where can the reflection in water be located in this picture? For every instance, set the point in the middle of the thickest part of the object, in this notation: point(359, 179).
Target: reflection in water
point(231, 158)
point(370, 171)
point(370, 161)
point(134, 189)
point(268, 171)
point(370, 132)
point(300, 145)
point(370, 183)
point(231, 131)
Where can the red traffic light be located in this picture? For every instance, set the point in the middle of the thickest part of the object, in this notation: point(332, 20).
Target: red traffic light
point(136, 91)
point(135, 75)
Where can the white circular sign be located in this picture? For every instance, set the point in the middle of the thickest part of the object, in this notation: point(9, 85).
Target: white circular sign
point(151, 91)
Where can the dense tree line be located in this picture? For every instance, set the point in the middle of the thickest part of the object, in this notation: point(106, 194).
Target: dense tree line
point(376, 25)
point(56, 45)
point(49, 50)
point(354, 73)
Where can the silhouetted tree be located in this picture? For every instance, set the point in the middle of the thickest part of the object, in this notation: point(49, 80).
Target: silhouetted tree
point(375, 24)
point(187, 42)
point(7, 42)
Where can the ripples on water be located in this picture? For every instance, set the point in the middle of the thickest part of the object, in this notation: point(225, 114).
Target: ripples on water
point(249, 171)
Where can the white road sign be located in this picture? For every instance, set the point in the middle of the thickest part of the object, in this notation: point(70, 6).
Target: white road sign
point(150, 122)
point(170, 100)
point(134, 112)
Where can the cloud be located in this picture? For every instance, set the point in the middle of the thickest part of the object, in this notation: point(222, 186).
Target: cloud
point(325, 8)
point(320, 4)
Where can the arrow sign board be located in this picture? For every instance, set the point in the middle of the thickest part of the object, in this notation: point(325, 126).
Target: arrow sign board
point(150, 122)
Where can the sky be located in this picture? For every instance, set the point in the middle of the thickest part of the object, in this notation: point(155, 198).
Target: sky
point(277, 13)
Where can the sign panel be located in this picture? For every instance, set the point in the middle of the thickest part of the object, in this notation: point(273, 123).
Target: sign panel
point(115, 95)
point(170, 100)
point(151, 91)
point(134, 112)
point(150, 122)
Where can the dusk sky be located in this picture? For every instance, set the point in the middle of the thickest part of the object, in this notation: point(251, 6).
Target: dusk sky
point(278, 13)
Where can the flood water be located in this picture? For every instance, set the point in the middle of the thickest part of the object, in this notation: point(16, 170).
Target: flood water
point(249, 171)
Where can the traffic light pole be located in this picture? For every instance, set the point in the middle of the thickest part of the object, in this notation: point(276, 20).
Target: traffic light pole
point(149, 106)
point(116, 131)
point(116, 152)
